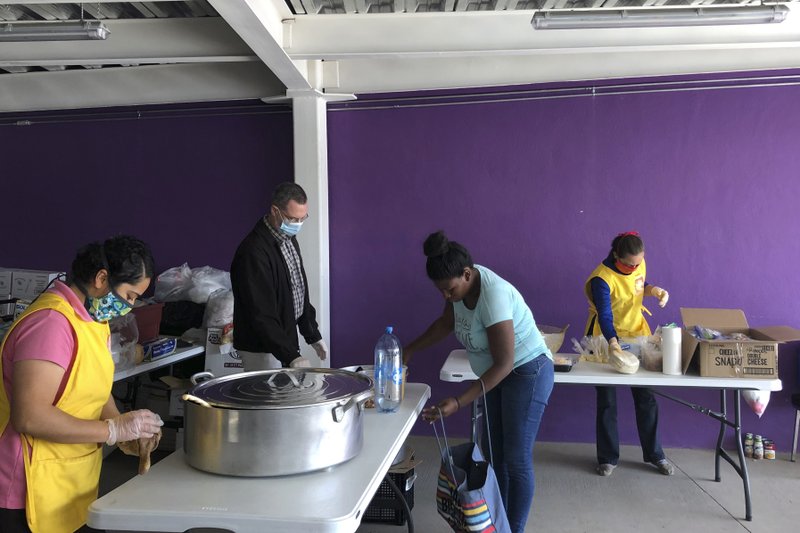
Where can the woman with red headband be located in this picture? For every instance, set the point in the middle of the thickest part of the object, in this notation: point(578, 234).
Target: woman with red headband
point(615, 290)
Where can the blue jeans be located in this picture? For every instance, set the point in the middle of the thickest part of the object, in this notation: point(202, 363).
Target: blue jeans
point(514, 411)
point(646, 422)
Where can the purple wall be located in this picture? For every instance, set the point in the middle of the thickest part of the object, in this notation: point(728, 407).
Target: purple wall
point(536, 190)
point(191, 182)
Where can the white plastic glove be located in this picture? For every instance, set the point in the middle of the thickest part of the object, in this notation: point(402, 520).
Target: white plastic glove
point(661, 294)
point(321, 348)
point(300, 362)
point(614, 347)
point(133, 425)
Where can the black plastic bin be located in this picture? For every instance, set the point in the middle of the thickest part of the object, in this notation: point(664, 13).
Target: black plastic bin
point(385, 506)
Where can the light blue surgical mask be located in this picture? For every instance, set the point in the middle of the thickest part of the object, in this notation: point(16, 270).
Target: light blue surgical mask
point(291, 228)
point(107, 307)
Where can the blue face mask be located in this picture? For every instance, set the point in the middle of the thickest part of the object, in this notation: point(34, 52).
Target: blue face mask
point(107, 307)
point(291, 228)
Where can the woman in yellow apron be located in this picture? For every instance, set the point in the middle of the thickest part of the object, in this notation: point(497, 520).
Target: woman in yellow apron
point(56, 407)
point(615, 290)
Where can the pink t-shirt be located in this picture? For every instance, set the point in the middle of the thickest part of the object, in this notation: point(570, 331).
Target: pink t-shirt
point(44, 335)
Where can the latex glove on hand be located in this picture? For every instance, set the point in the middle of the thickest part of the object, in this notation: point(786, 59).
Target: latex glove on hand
point(614, 347)
point(622, 361)
point(133, 425)
point(141, 448)
point(321, 348)
point(661, 294)
point(300, 362)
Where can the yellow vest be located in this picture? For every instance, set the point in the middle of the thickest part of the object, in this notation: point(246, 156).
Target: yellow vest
point(627, 293)
point(62, 479)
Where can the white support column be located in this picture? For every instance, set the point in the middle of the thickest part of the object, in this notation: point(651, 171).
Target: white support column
point(311, 173)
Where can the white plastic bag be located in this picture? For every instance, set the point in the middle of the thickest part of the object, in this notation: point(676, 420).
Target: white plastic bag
point(207, 280)
point(219, 310)
point(173, 284)
point(757, 400)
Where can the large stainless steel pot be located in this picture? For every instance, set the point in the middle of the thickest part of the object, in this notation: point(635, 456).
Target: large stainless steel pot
point(274, 422)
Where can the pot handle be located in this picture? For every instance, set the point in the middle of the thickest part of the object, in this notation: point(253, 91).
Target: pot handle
point(357, 400)
point(201, 376)
point(290, 375)
point(194, 399)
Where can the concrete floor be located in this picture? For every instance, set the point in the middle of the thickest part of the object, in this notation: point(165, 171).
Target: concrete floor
point(571, 498)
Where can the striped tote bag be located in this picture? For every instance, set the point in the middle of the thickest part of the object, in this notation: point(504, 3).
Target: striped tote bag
point(467, 494)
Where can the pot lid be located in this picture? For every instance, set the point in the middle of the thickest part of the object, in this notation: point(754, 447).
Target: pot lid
point(283, 388)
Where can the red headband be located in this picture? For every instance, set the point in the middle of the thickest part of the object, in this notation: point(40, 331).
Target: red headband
point(634, 233)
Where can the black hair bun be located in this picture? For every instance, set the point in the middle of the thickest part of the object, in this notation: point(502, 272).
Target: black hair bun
point(436, 244)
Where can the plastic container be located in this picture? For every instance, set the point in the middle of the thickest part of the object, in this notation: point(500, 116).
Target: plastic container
point(148, 320)
point(769, 450)
point(758, 448)
point(388, 372)
point(564, 362)
point(748, 445)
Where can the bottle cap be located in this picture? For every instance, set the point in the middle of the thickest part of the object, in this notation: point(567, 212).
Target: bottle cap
point(389, 329)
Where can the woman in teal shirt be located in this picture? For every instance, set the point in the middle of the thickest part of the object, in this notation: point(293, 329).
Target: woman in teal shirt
point(506, 350)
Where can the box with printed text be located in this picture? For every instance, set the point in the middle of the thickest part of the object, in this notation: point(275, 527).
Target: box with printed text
point(753, 358)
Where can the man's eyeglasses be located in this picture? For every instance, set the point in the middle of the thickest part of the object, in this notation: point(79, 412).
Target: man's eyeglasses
point(291, 219)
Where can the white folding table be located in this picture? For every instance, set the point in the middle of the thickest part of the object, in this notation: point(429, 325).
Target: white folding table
point(180, 354)
point(176, 497)
point(456, 368)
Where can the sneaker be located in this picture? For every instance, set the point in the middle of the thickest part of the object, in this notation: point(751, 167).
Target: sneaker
point(605, 469)
point(665, 467)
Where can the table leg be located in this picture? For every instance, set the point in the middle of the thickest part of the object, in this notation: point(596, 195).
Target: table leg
point(737, 410)
point(720, 453)
point(718, 450)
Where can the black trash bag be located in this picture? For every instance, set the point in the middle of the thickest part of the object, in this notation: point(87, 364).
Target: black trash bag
point(179, 316)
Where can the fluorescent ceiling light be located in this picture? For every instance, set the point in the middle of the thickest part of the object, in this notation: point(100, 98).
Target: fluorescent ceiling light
point(76, 30)
point(645, 18)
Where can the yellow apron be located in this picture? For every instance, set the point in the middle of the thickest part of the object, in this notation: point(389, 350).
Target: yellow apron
point(627, 293)
point(62, 479)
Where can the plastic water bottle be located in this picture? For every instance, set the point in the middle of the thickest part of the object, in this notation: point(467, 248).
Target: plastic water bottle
point(388, 372)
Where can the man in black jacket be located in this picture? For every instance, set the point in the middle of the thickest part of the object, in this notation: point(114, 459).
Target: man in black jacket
point(270, 289)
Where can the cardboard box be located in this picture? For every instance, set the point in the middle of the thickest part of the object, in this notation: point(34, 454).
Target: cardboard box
point(221, 358)
point(177, 388)
point(757, 358)
point(28, 284)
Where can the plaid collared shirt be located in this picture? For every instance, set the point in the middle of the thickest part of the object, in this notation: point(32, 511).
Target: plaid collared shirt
point(292, 260)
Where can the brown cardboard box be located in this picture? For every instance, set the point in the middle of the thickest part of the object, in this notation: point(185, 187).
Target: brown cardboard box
point(757, 358)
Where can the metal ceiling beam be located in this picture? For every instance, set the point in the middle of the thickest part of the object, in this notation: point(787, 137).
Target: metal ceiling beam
point(157, 84)
point(434, 35)
point(398, 75)
point(78, 2)
point(260, 24)
point(183, 40)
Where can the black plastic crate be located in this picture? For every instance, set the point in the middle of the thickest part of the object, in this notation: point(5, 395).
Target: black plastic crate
point(385, 506)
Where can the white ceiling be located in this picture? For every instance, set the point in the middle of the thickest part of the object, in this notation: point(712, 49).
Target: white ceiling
point(204, 50)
